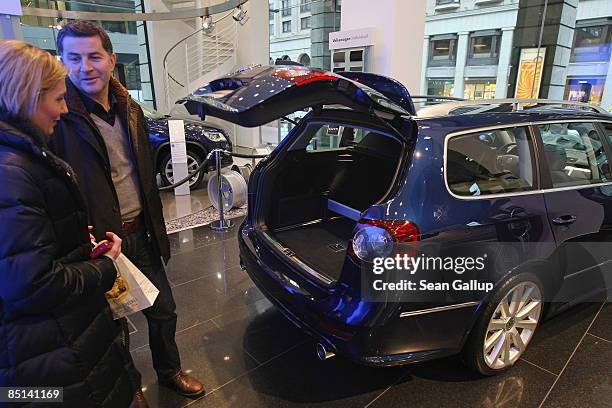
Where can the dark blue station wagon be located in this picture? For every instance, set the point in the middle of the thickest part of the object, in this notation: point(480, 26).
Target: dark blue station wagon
point(394, 238)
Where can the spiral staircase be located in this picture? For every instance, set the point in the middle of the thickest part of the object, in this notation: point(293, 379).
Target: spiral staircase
point(201, 56)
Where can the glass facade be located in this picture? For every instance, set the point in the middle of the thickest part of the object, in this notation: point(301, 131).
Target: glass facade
point(479, 89)
point(303, 29)
point(488, 49)
point(585, 89)
point(129, 39)
point(592, 43)
point(443, 51)
point(440, 87)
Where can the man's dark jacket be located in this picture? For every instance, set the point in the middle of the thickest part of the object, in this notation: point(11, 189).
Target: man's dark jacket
point(78, 141)
point(56, 328)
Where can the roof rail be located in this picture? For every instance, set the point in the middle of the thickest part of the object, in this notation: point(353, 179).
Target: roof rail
point(435, 98)
point(515, 104)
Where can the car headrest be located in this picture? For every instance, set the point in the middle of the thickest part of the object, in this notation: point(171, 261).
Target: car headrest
point(556, 157)
point(348, 137)
point(510, 163)
point(380, 143)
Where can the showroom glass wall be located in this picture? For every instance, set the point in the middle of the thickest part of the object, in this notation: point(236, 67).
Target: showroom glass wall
point(479, 49)
point(129, 39)
point(299, 30)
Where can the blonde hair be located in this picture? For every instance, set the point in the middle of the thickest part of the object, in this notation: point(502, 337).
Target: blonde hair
point(26, 73)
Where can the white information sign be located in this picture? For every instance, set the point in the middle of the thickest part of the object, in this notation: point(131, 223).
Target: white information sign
point(178, 152)
point(351, 38)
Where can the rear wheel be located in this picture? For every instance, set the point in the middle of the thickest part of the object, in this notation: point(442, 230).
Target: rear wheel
point(506, 325)
point(193, 162)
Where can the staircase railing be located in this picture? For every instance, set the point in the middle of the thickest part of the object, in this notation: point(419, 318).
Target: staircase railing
point(196, 55)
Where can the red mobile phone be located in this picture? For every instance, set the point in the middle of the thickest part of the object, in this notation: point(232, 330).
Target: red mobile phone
point(102, 248)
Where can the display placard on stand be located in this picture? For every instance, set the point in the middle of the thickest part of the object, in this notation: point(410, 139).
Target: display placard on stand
point(178, 153)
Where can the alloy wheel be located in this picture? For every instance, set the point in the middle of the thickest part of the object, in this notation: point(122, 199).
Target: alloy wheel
point(192, 165)
point(512, 325)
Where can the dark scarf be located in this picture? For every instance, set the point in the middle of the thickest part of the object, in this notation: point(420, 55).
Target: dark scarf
point(23, 128)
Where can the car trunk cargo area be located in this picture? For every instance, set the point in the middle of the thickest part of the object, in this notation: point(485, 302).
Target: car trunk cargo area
point(312, 199)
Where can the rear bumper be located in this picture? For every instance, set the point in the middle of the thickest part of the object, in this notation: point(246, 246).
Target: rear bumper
point(368, 333)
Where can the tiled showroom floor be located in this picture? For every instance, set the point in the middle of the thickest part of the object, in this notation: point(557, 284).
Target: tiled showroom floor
point(248, 355)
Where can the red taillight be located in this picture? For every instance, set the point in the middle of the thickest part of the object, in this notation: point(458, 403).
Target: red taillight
point(376, 238)
point(401, 231)
point(316, 76)
point(303, 75)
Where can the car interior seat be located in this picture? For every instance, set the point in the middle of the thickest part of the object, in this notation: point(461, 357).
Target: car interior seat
point(557, 160)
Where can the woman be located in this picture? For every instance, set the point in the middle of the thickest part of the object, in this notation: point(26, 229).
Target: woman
point(56, 328)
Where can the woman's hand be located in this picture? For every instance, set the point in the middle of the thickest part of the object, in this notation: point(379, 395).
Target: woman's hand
point(91, 237)
point(115, 250)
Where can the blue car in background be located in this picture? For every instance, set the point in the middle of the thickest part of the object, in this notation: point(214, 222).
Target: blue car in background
point(394, 237)
point(201, 138)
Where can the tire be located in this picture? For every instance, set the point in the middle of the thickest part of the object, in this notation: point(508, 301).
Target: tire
point(193, 161)
point(506, 330)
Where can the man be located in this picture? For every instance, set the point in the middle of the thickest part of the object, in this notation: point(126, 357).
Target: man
point(103, 137)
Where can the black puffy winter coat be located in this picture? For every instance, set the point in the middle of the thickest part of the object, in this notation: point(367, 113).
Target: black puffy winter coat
point(56, 328)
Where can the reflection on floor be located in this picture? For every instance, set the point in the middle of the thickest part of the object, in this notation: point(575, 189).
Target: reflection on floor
point(249, 355)
point(179, 206)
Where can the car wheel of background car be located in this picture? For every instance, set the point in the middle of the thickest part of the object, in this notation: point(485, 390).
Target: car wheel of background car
point(506, 325)
point(167, 172)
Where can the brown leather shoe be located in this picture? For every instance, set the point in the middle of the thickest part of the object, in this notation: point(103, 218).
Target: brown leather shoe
point(184, 384)
point(139, 400)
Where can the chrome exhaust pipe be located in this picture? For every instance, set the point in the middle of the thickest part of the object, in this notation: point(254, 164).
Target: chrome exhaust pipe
point(324, 352)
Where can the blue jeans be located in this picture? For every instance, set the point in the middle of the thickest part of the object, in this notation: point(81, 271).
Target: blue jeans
point(161, 317)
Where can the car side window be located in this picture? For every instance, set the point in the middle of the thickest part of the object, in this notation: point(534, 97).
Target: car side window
point(490, 162)
point(575, 154)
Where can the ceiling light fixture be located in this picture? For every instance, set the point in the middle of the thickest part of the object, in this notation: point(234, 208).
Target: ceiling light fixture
point(240, 15)
point(208, 25)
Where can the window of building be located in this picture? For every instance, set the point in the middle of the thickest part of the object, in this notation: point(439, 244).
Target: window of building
point(272, 29)
point(286, 8)
point(484, 48)
point(482, 163)
point(585, 89)
point(440, 87)
point(286, 26)
point(479, 89)
point(592, 44)
point(575, 154)
point(443, 2)
point(305, 6)
point(442, 51)
point(304, 59)
point(305, 23)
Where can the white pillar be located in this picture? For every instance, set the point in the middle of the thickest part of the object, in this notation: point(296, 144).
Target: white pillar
point(606, 99)
point(10, 28)
point(503, 67)
point(10, 10)
point(253, 48)
point(462, 51)
point(425, 58)
point(400, 26)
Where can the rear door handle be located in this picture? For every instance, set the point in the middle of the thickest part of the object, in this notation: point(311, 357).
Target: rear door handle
point(564, 220)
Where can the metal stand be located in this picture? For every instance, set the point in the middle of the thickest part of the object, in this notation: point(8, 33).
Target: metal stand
point(222, 224)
